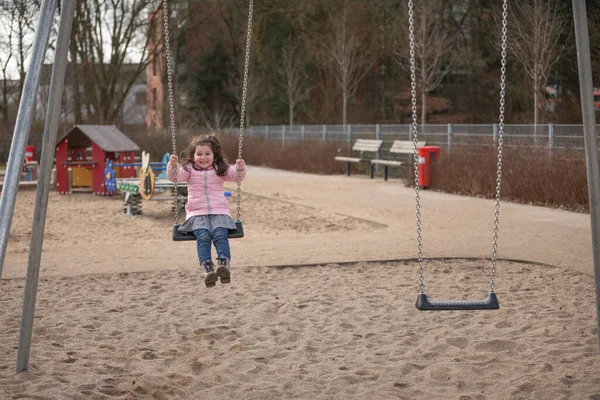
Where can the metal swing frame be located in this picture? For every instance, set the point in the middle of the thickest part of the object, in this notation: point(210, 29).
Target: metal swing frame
point(490, 302)
point(239, 231)
point(25, 117)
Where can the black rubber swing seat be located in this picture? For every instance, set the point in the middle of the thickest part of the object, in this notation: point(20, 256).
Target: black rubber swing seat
point(490, 302)
point(236, 233)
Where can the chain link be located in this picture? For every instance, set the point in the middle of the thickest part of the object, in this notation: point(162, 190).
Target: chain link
point(243, 107)
point(172, 106)
point(167, 44)
point(415, 143)
point(500, 142)
point(413, 91)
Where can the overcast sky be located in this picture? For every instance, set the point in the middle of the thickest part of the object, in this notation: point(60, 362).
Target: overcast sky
point(134, 54)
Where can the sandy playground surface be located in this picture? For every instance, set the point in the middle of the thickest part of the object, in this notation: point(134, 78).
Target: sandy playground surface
point(122, 311)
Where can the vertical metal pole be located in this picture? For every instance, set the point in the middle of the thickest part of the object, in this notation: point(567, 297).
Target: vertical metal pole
point(302, 133)
point(496, 133)
point(591, 142)
point(349, 135)
point(23, 124)
point(378, 137)
point(550, 138)
point(450, 137)
point(41, 199)
point(267, 133)
point(410, 132)
point(283, 135)
point(324, 133)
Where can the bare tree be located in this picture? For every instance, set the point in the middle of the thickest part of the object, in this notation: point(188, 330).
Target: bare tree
point(234, 88)
point(536, 41)
point(435, 51)
point(594, 32)
point(292, 76)
point(347, 55)
point(236, 24)
point(6, 45)
point(217, 120)
point(121, 27)
point(19, 18)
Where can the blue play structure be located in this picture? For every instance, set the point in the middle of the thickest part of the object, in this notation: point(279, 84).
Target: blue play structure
point(110, 183)
point(165, 164)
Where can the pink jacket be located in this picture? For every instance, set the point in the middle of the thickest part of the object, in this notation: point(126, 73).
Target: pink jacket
point(205, 189)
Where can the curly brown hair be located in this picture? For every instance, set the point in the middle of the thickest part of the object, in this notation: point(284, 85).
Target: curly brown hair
point(211, 140)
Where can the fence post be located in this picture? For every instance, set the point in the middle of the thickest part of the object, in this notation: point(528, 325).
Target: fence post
point(550, 138)
point(283, 135)
point(378, 137)
point(495, 133)
point(349, 135)
point(324, 132)
point(449, 137)
point(302, 132)
point(267, 133)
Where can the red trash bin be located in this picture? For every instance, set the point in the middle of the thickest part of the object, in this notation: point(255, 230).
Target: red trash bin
point(428, 155)
point(29, 151)
point(29, 170)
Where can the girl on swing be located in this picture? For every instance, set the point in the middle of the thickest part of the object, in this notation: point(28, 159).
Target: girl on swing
point(207, 210)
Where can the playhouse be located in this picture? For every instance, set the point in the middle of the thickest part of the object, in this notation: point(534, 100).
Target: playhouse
point(83, 151)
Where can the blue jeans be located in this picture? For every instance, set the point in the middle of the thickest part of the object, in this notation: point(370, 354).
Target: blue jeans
point(218, 237)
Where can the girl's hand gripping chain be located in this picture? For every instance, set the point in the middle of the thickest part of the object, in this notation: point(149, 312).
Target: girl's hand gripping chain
point(240, 164)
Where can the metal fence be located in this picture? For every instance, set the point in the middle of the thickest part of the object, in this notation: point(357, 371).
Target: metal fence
point(551, 136)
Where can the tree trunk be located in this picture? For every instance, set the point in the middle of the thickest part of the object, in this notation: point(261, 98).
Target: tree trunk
point(4, 99)
point(423, 71)
point(344, 104)
point(423, 110)
point(535, 109)
point(21, 61)
point(75, 86)
point(535, 117)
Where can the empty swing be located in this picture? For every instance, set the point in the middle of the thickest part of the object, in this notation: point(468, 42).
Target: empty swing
point(239, 231)
point(490, 302)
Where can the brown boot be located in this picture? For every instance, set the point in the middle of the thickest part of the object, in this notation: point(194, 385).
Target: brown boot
point(223, 270)
point(210, 278)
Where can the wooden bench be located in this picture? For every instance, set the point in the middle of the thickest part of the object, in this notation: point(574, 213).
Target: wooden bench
point(403, 147)
point(361, 146)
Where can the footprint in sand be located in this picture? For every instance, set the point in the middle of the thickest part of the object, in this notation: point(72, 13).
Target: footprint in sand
point(495, 345)
point(149, 355)
point(92, 327)
point(460, 342)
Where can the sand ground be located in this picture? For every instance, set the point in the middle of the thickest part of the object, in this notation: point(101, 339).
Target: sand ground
point(122, 311)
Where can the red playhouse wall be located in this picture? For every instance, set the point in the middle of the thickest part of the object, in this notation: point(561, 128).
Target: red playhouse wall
point(62, 170)
point(127, 157)
point(98, 170)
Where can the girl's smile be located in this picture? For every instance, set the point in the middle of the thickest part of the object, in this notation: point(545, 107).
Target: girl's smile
point(203, 157)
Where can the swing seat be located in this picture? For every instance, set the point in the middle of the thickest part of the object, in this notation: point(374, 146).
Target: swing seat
point(490, 302)
point(236, 233)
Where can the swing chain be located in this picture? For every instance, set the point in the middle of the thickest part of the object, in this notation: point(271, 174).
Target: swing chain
point(167, 44)
point(413, 91)
point(500, 142)
point(243, 106)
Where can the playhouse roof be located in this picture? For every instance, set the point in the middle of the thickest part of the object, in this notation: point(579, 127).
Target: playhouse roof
point(107, 137)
